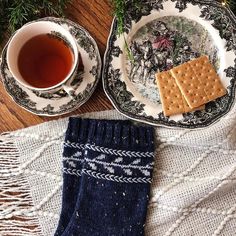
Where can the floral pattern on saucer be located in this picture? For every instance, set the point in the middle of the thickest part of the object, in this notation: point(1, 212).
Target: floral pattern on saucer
point(52, 103)
point(162, 34)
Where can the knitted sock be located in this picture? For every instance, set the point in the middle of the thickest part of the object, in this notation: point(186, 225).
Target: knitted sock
point(115, 181)
point(73, 158)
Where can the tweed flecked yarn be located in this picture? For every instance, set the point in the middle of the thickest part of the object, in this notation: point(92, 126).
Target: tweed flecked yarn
point(72, 165)
point(116, 171)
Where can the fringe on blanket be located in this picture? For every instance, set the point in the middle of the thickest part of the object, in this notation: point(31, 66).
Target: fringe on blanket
point(17, 214)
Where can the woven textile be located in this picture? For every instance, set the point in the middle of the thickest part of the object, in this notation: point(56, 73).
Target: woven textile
point(193, 189)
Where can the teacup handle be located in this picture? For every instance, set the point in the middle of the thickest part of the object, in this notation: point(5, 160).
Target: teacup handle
point(69, 90)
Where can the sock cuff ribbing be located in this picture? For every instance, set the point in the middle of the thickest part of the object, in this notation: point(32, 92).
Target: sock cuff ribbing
point(117, 134)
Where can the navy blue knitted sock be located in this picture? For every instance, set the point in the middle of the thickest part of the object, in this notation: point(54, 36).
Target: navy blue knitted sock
point(115, 181)
point(73, 158)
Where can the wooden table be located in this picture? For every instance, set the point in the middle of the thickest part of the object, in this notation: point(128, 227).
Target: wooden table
point(96, 17)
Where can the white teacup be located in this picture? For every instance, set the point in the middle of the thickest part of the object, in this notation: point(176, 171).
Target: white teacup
point(34, 29)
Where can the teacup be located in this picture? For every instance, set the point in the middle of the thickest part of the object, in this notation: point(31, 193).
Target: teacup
point(37, 50)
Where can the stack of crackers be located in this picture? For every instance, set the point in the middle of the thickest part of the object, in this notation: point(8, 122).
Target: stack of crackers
point(189, 86)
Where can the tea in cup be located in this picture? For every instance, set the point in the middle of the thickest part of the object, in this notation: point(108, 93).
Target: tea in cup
point(42, 55)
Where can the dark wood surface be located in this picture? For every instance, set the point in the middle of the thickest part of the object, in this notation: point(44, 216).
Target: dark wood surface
point(96, 17)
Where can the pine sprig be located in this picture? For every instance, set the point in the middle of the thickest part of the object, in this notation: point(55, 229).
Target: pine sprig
point(15, 13)
point(120, 7)
point(3, 17)
point(19, 12)
point(119, 12)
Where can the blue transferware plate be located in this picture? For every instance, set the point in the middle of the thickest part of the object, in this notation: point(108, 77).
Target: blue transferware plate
point(162, 34)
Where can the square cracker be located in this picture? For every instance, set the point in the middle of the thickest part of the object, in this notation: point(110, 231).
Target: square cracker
point(173, 102)
point(189, 85)
point(170, 94)
point(187, 108)
point(208, 78)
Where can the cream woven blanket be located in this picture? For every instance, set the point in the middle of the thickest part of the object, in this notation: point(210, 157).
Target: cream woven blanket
point(193, 190)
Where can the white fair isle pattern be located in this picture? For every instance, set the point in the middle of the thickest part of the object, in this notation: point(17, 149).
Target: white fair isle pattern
point(104, 176)
point(127, 169)
point(115, 178)
point(109, 150)
point(193, 189)
point(70, 171)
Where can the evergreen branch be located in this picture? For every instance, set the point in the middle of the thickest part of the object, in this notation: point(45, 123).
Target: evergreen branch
point(3, 17)
point(15, 13)
point(19, 12)
point(119, 12)
point(120, 7)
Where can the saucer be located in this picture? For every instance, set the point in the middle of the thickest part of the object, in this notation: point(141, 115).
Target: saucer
point(50, 102)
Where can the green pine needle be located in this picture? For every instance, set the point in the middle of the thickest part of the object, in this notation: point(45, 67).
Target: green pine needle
point(15, 13)
point(119, 12)
point(120, 7)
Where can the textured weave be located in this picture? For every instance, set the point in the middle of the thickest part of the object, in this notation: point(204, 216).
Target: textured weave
point(193, 191)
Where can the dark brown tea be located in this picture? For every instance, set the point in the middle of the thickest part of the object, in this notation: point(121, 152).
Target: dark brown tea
point(45, 61)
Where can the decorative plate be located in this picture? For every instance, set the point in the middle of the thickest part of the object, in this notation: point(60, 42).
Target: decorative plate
point(51, 103)
point(162, 34)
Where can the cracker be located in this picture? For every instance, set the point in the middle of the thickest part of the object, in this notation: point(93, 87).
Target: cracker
point(198, 81)
point(170, 94)
point(173, 102)
point(187, 108)
point(189, 85)
point(208, 78)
